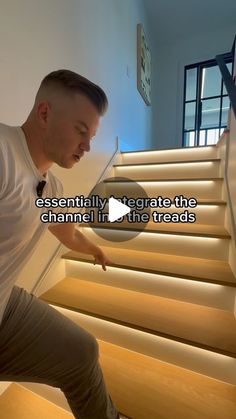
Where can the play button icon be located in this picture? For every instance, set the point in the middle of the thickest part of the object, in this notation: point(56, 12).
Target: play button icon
point(116, 209)
point(115, 218)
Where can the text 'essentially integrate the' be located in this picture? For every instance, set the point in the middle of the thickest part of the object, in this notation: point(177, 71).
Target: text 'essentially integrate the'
point(96, 206)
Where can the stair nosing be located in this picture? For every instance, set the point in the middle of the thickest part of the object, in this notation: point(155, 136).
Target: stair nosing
point(163, 180)
point(169, 149)
point(142, 329)
point(167, 162)
point(154, 271)
point(175, 233)
point(212, 202)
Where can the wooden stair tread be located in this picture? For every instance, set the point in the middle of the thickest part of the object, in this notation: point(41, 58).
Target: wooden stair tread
point(204, 270)
point(193, 229)
point(159, 390)
point(200, 326)
point(18, 402)
point(142, 387)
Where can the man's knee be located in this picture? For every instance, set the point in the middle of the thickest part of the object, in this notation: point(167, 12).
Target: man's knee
point(84, 349)
point(92, 348)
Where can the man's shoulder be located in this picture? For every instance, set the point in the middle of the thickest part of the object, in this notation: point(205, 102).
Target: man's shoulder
point(5, 129)
point(5, 152)
point(7, 132)
point(57, 187)
point(4, 136)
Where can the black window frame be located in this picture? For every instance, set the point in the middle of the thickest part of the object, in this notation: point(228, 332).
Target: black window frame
point(198, 113)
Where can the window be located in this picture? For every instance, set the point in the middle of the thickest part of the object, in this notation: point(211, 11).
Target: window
point(206, 103)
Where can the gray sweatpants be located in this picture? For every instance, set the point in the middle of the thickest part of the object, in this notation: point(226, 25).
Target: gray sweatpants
point(39, 344)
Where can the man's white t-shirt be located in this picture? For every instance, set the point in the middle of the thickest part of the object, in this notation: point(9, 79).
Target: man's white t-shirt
point(20, 224)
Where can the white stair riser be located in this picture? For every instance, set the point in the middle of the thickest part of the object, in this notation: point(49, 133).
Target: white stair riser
point(205, 214)
point(169, 171)
point(195, 229)
point(190, 189)
point(195, 359)
point(180, 154)
point(177, 288)
point(192, 246)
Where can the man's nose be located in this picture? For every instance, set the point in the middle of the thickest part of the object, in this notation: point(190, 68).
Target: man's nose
point(85, 146)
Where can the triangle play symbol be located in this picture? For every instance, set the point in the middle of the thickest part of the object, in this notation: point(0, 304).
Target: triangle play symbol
point(116, 209)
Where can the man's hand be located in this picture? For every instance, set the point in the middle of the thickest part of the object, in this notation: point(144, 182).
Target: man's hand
point(100, 257)
point(75, 240)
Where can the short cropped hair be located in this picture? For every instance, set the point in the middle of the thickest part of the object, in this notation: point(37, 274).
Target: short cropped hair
point(75, 83)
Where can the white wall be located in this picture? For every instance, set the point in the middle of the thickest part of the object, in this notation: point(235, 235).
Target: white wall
point(94, 38)
point(168, 82)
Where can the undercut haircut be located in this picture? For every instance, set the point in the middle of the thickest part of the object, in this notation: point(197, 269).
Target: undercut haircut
point(73, 82)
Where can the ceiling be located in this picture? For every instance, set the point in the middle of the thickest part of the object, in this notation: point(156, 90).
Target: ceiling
point(173, 19)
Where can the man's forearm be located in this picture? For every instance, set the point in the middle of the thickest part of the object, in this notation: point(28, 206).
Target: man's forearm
point(76, 241)
point(82, 244)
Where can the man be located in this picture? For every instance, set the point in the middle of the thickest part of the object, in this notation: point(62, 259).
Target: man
point(37, 343)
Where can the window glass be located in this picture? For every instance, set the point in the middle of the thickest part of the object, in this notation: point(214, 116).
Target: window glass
point(189, 139)
point(202, 137)
point(212, 136)
point(210, 113)
point(211, 82)
point(191, 84)
point(190, 109)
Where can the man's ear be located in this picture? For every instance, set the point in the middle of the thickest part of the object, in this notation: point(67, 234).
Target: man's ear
point(43, 111)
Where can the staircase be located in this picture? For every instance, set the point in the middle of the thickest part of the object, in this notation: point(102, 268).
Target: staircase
point(163, 313)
